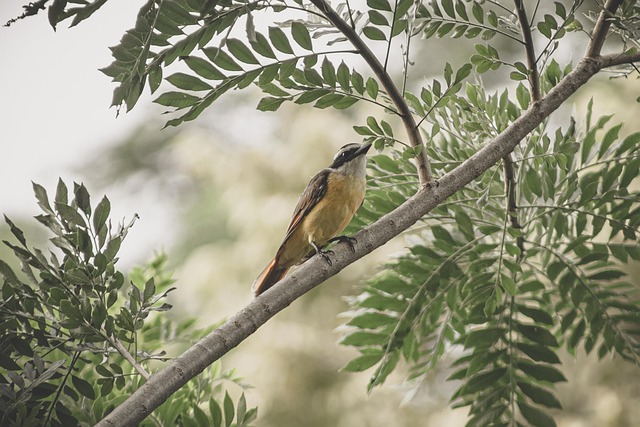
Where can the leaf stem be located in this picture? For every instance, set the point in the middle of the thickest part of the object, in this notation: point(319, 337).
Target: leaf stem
point(75, 358)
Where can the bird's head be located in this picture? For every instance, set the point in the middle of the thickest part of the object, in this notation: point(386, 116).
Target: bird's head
point(351, 158)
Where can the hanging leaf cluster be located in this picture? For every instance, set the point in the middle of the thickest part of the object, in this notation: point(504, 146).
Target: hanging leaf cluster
point(467, 294)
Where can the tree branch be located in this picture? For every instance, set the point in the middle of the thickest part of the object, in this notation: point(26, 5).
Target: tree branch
point(125, 353)
point(415, 139)
point(534, 78)
point(512, 202)
point(165, 382)
point(534, 89)
point(601, 28)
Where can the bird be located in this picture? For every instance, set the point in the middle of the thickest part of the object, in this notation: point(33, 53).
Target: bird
point(324, 209)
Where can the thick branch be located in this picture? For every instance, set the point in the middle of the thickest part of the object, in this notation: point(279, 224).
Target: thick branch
point(165, 382)
point(601, 28)
point(415, 139)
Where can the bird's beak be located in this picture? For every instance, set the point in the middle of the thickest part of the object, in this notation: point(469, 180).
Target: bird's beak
point(363, 149)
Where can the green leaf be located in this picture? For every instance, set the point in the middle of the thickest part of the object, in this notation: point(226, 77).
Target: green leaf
point(362, 338)
point(536, 314)
point(269, 103)
point(328, 100)
point(280, 40)
point(535, 416)
point(19, 234)
point(82, 199)
point(311, 95)
point(112, 248)
point(537, 334)
point(462, 73)
point(483, 338)
point(261, 45)
point(101, 214)
point(70, 215)
point(541, 372)
point(357, 81)
point(371, 320)
point(42, 197)
point(523, 96)
point(301, 35)
point(343, 77)
point(222, 59)
point(447, 5)
point(539, 395)
point(83, 387)
point(199, 417)
point(61, 192)
point(229, 410)
point(241, 52)
point(328, 72)
point(176, 99)
point(363, 362)
point(609, 138)
point(372, 88)
point(508, 283)
point(373, 33)
point(378, 18)
point(188, 82)
point(538, 353)
point(379, 5)
point(216, 412)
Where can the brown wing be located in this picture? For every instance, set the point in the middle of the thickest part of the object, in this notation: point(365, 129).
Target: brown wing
point(316, 188)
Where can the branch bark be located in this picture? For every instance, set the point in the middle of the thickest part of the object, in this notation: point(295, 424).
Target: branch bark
point(601, 28)
point(165, 382)
point(413, 132)
point(533, 77)
point(534, 89)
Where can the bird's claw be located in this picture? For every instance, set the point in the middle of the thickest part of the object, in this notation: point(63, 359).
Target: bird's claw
point(350, 241)
point(324, 254)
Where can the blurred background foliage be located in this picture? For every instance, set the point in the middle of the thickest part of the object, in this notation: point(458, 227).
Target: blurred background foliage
point(226, 185)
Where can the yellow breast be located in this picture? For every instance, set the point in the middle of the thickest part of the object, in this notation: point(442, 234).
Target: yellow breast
point(333, 213)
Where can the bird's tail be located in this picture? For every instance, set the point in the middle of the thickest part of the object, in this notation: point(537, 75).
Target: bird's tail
point(269, 277)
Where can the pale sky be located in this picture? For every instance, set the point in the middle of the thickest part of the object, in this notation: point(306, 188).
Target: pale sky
point(54, 109)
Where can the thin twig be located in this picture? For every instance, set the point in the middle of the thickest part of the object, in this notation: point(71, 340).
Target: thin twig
point(415, 139)
point(534, 79)
point(115, 342)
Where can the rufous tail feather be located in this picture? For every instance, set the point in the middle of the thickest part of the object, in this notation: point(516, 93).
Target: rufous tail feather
point(269, 277)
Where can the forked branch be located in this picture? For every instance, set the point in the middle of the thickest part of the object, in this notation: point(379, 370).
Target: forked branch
point(415, 139)
point(601, 29)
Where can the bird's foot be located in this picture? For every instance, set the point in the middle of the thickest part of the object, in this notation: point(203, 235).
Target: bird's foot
point(323, 253)
point(350, 241)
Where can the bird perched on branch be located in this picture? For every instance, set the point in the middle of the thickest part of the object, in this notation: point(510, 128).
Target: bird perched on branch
point(323, 211)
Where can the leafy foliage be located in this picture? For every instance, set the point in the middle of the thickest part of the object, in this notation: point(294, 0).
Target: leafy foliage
point(464, 288)
point(466, 291)
point(498, 278)
point(72, 329)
